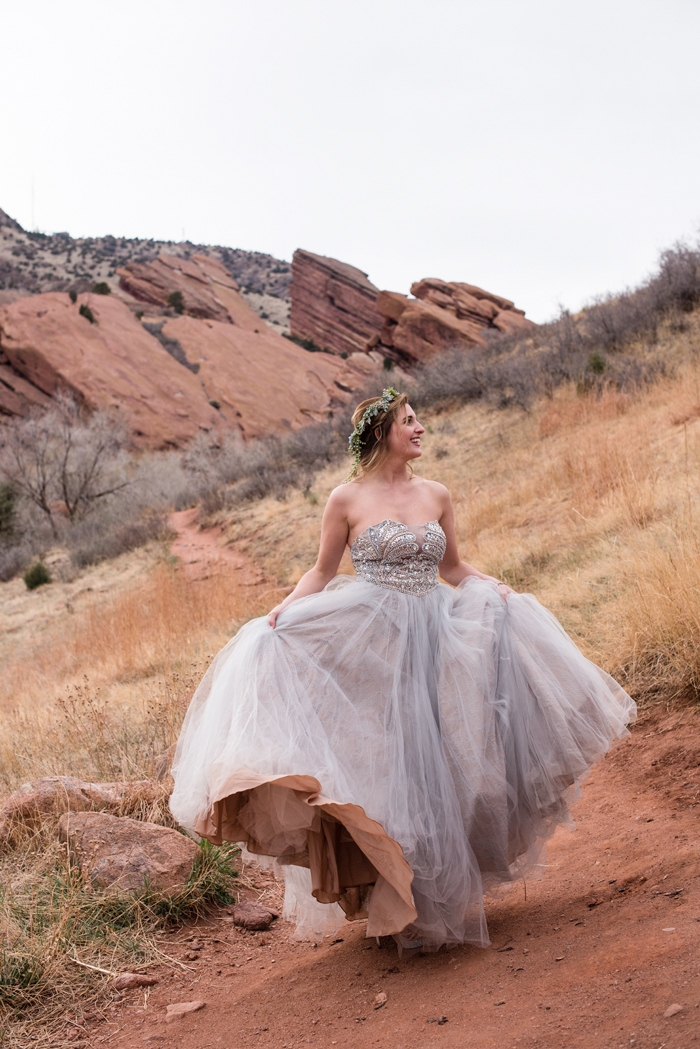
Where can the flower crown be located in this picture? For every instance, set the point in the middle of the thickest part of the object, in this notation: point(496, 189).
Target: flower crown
point(370, 413)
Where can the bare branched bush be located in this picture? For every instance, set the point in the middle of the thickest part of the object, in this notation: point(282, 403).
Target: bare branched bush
point(63, 460)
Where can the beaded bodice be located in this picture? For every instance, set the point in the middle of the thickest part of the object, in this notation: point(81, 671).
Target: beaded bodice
point(392, 555)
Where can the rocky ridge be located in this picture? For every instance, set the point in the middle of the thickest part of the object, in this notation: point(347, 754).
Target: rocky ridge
point(34, 263)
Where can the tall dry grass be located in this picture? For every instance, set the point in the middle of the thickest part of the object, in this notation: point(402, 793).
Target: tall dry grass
point(100, 695)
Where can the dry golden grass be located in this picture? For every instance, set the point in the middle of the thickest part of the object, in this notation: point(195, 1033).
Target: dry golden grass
point(588, 502)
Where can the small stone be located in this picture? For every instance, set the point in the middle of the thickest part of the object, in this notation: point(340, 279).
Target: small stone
point(500, 1003)
point(128, 981)
point(191, 956)
point(380, 1000)
point(178, 1009)
point(671, 928)
point(673, 1009)
point(253, 916)
point(560, 958)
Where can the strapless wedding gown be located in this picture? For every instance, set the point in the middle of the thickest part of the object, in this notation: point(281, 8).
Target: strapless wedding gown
point(408, 743)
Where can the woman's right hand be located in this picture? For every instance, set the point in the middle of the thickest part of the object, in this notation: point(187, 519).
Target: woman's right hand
point(272, 617)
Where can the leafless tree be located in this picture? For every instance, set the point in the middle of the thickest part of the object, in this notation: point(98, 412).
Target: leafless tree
point(63, 459)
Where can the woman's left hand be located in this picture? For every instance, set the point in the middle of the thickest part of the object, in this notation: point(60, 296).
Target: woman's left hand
point(504, 590)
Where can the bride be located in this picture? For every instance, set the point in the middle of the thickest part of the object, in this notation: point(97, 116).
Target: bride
point(407, 742)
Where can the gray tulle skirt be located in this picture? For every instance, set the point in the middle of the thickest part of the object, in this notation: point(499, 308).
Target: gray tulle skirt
point(407, 752)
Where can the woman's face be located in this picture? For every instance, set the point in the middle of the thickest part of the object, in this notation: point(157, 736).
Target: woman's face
point(405, 434)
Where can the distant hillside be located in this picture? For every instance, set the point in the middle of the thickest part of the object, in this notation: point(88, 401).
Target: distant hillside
point(31, 263)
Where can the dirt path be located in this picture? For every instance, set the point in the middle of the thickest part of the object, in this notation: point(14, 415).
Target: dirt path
point(603, 945)
point(201, 551)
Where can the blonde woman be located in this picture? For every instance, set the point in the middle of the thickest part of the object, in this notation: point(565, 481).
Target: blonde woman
point(404, 742)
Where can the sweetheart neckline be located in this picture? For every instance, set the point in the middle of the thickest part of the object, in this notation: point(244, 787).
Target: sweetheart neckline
point(390, 520)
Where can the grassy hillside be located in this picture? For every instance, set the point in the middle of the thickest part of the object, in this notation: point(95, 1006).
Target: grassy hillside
point(587, 496)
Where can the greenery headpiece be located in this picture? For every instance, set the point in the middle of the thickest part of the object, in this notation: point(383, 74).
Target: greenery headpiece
point(370, 413)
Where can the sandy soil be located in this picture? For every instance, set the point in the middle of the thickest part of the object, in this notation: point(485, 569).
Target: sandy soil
point(605, 942)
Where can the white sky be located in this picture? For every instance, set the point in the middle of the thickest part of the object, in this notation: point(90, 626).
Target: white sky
point(544, 149)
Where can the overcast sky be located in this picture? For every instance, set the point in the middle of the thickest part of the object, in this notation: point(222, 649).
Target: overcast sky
point(544, 149)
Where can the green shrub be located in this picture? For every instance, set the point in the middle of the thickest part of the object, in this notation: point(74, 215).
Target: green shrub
point(20, 978)
point(102, 288)
point(215, 404)
point(176, 301)
point(73, 295)
point(388, 364)
point(8, 497)
point(36, 575)
point(596, 364)
point(86, 312)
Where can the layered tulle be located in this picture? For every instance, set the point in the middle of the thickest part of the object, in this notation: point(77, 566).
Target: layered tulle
point(408, 750)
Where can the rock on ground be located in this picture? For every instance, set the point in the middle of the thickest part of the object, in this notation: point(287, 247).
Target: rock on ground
point(178, 1009)
point(53, 795)
point(253, 916)
point(130, 981)
point(118, 853)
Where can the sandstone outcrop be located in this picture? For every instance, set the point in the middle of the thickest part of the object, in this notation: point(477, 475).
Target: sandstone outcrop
point(338, 308)
point(206, 287)
point(111, 363)
point(441, 316)
point(333, 304)
point(170, 377)
point(54, 795)
point(119, 854)
point(262, 382)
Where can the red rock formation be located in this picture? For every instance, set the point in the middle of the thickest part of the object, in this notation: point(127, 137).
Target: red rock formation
point(112, 363)
point(207, 289)
point(333, 304)
point(441, 315)
point(265, 383)
point(163, 373)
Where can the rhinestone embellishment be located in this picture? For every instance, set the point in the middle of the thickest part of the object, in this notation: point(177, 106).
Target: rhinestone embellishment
point(396, 557)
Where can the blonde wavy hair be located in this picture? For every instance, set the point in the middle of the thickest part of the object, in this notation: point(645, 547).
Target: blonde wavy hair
point(374, 445)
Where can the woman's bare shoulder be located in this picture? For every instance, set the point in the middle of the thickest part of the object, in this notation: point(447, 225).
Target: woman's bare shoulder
point(341, 497)
point(436, 488)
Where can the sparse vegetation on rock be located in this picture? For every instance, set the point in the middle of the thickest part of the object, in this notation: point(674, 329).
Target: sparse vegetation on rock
point(176, 301)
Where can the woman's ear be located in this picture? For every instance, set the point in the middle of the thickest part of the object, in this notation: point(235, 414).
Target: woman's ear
point(377, 433)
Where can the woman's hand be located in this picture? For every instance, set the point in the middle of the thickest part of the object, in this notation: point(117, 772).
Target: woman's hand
point(272, 618)
point(504, 590)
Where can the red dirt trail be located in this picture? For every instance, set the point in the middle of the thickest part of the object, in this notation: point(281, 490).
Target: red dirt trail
point(200, 550)
point(605, 942)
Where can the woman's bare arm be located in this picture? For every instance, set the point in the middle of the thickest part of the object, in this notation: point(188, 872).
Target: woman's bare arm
point(334, 536)
point(452, 568)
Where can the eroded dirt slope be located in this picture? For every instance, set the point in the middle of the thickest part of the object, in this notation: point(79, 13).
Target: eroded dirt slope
point(605, 942)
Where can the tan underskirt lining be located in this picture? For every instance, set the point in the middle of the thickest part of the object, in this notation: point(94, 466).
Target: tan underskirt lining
point(347, 852)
